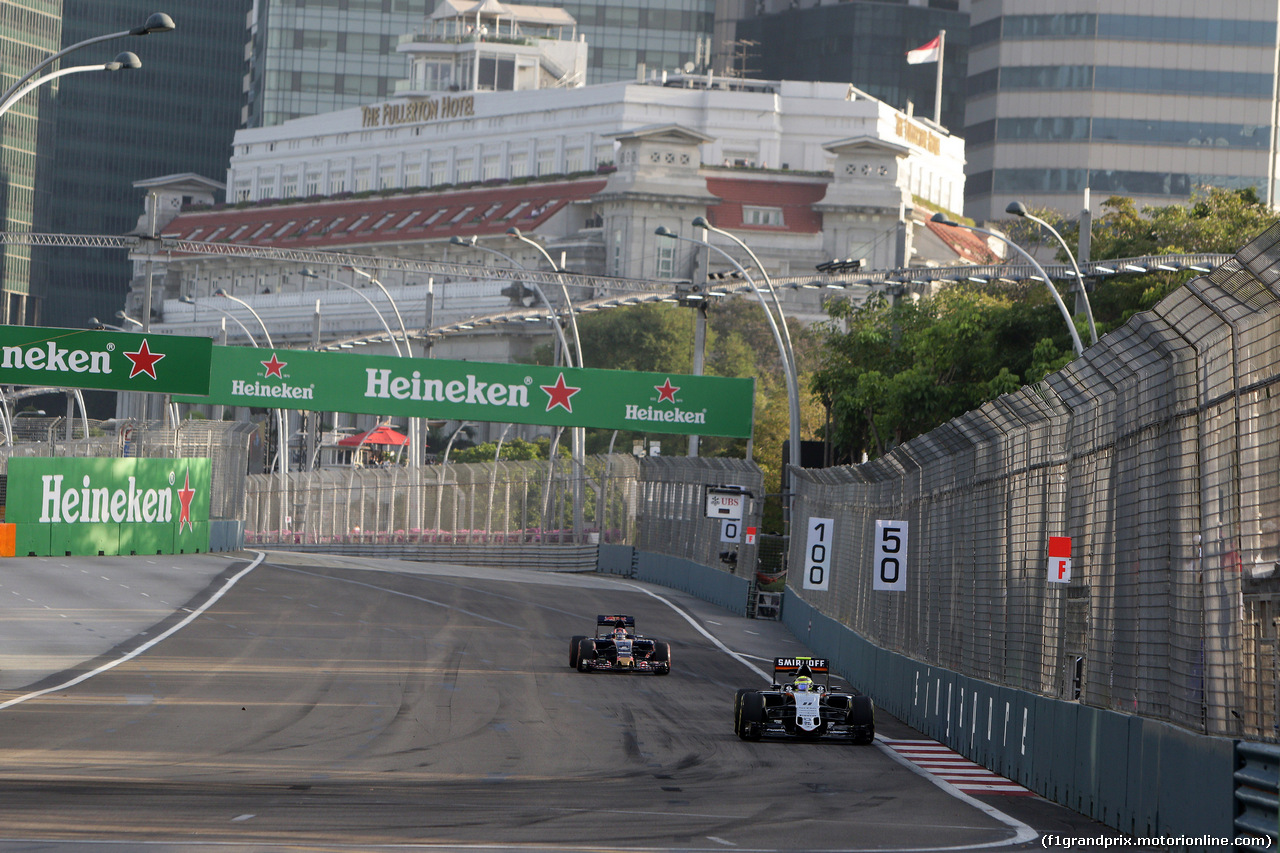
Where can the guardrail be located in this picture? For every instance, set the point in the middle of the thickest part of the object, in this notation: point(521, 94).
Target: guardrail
point(1258, 789)
point(541, 558)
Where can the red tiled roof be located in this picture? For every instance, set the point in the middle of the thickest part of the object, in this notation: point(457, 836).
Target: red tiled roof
point(423, 216)
point(971, 247)
point(796, 200)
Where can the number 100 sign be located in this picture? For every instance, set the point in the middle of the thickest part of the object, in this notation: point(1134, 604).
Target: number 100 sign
point(890, 570)
point(817, 554)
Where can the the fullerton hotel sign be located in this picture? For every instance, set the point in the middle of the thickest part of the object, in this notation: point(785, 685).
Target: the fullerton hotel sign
point(413, 112)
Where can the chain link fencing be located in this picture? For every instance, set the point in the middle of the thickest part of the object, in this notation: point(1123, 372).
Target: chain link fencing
point(1158, 454)
point(489, 504)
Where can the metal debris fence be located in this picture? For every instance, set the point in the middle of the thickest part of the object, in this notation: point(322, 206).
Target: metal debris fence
point(1158, 453)
point(480, 503)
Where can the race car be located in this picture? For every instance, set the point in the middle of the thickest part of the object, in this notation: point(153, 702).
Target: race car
point(797, 706)
point(617, 648)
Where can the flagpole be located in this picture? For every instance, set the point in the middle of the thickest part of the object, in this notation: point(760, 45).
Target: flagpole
point(937, 92)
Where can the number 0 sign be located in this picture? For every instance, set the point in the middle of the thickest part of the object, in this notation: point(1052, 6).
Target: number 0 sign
point(890, 570)
point(817, 554)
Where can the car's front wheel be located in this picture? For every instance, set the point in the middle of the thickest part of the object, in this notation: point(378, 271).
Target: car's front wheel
point(751, 716)
point(862, 720)
point(573, 650)
point(661, 657)
point(586, 652)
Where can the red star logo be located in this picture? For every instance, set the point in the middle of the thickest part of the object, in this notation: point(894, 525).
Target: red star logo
point(559, 395)
point(144, 360)
point(666, 391)
point(185, 494)
point(274, 365)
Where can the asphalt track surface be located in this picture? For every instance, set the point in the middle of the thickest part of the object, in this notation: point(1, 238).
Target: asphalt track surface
point(326, 704)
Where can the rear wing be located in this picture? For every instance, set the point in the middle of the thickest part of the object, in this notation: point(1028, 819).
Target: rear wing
point(612, 621)
point(796, 667)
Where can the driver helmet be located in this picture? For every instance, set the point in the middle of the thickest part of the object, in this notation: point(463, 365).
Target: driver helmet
point(804, 684)
point(620, 633)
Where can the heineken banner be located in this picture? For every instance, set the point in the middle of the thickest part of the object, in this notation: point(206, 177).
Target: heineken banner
point(479, 391)
point(108, 506)
point(115, 361)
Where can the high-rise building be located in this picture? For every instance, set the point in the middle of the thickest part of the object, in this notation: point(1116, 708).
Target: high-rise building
point(318, 56)
point(30, 30)
point(178, 113)
point(1127, 97)
point(863, 43)
point(628, 39)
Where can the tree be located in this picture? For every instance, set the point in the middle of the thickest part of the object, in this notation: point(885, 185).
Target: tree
point(890, 371)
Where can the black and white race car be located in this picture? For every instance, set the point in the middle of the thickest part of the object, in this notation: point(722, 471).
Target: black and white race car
point(797, 706)
point(617, 648)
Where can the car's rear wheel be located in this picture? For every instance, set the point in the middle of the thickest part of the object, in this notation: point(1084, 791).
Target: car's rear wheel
point(661, 657)
point(862, 720)
point(586, 652)
point(737, 706)
point(751, 716)
point(573, 650)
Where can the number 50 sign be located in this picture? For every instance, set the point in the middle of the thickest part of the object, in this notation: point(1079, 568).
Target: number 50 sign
point(890, 569)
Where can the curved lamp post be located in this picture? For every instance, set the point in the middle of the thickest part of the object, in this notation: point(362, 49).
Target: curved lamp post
point(941, 219)
point(788, 366)
point(394, 307)
point(120, 315)
point(555, 324)
point(1018, 209)
point(125, 61)
point(564, 291)
point(381, 319)
point(158, 22)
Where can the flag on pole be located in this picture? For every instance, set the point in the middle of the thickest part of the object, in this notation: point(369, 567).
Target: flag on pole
point(930, 51)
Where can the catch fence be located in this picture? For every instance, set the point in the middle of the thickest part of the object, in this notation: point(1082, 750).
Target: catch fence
point(1158, 454)
point(481, 504)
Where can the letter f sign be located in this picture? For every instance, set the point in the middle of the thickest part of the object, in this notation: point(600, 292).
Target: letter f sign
point(1059, 559)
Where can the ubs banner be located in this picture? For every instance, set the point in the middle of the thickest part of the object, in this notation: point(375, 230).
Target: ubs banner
point(108, 506)
point(479, 391)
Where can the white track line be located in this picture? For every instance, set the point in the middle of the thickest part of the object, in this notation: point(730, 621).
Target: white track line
point(187, 620)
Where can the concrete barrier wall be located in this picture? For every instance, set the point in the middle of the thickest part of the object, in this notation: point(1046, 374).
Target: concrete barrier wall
point(226, 534)
point(714, 585)
point(1141, 776)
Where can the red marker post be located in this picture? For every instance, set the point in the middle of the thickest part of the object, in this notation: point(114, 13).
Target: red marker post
point(1059, 559)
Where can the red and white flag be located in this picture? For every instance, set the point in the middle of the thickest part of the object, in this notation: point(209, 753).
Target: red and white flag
point(927, 52)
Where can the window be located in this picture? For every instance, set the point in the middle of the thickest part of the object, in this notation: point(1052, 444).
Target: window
point(403, 222)
point(666, 260)
point(762, 216)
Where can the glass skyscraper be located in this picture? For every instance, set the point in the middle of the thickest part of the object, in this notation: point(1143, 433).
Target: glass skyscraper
point(177, 113)
point(30, 30)
point(1123, 98)
point(318, 56)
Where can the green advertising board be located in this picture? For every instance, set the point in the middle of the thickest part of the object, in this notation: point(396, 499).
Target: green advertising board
point(479, 391)
point(108, 506)
point(115, 361)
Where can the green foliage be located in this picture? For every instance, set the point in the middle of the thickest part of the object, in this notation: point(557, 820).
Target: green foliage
point(513, 450)
point(889, 372)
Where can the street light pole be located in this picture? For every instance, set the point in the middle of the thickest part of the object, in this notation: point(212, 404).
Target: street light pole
point(577, 444)
point(158, 22)
point(125, 60)
point(564, 290)
point(1018, 209)
point(788, 367)
point(941, 219)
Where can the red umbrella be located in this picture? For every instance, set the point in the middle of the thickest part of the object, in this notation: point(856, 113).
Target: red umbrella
point(378, 435)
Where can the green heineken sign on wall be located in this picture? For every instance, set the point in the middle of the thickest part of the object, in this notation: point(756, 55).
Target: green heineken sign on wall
point(108, 506)
point(478, 391)
point(115, 361)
